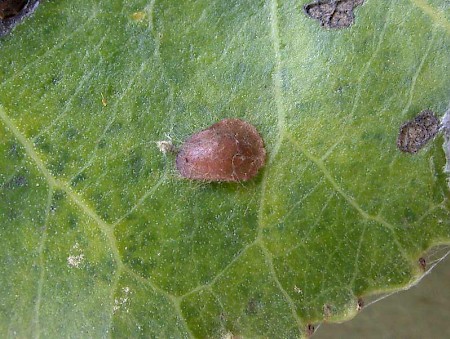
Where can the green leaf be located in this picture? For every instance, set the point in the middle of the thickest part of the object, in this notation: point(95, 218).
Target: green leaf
point(99, 234)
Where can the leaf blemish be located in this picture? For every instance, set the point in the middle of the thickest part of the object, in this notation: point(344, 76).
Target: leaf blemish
point(310, 330)
point(78, 179)
point(165, 146)
point(327, 311)
point(423, 263)
point(333, 13)
point(416, 133)
point(123, 300)
point(138, 16)
point(360, 304)
point(10, 8)
point(12, 12)
point(75, 260)
point(104, 101)
point(15, 151)
point(16, 182)
point(253, 306)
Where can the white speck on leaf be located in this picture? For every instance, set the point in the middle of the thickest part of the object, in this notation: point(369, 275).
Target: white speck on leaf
point(297, 290)
point(75, 260)
point(165, 146)
point(122, 301)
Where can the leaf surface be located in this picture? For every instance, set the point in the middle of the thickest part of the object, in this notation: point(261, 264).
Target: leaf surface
point(101, 236)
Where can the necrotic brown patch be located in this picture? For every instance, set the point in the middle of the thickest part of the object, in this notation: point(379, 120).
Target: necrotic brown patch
point(423, 263)
point(414, 134)
point(333, 13)
point(230, 150)
point(10, 8)
point(12, 12)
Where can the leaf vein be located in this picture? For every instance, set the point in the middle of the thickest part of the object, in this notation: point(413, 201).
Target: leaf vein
point(412, 89)
point(54, 183)
point(349, 199)
point(110, 122)
point(221, 273)
point(67, 105)
point(432, 13)
point(40, 284)
point(417, 73)
point(176, 301)
point(45, 56)
point(356, 264)
point(369, 63)
point(269, 262)
point(277, 84)
point(277, 80)
point(310, 228)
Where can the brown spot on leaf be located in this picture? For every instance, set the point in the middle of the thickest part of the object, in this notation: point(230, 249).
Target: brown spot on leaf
point(11, 8)
point(360, 304)
point(12, 12)
point(333, 13)
point(327, 311)
point(230, 150)
point(414, 134)
point(310, 330)
point(423, 263)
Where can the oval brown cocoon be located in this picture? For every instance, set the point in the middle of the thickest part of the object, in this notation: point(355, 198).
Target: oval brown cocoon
point(230, 150)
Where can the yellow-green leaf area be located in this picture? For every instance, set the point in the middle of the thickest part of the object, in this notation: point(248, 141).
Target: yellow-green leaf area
point(100, 235)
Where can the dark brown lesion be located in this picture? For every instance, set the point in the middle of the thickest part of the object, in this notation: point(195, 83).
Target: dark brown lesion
point(12, 12)
point(333, 13)
point(310, 328)
point(11, 8)
point(423, 263)
point(416, 133)
point(360, 304)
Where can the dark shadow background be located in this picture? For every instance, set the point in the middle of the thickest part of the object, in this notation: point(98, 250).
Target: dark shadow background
point(421, 312)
